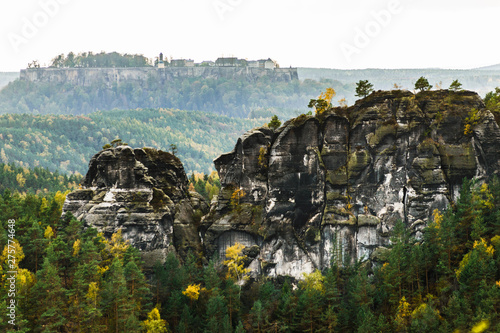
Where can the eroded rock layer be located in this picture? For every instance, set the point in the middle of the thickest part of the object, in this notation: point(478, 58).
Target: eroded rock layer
point(332, 186)
point(144, 193)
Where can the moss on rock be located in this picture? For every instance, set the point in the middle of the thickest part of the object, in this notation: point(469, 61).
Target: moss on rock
point(380, 133)
point(357, 162)
point(337, 177)
point(368, 220)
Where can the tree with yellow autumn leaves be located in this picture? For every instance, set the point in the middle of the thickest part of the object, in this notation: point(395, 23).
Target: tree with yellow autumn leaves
point(323, 102)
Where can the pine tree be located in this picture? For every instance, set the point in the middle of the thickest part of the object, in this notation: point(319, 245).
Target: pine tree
point(455, 86)
point(210, 277)
point(172, 279)
point(422, 84)
point(363, 88)
point(287, 308)
point(329, 317)
point(34, 245)
point(60, 253)
point(257, 315)
point(311, 300)
point(187, 323)
point(275, 123)
point(394, 270)
point(115, 297)
point(215, 313)
point(268, 295)
point(193, 268)
point(138, 290)
point(240, 328)
point(51, 298)
point(85, 293)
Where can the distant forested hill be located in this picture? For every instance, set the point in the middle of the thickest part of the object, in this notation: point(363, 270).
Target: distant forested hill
point(490, 68)
point(35, 180)
point(241, 98)
point(6, 77)
point(66, 143)
point(479, 80)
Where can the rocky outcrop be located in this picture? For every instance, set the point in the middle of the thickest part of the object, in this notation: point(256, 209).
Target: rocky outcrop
point(144, 193)
point(142, 75)
point(331, 187)
point(319, 189)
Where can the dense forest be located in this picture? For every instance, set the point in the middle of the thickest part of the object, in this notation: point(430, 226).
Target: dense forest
point(72, 279)
point(66, 143)
point(241, 98)
point(35, 180)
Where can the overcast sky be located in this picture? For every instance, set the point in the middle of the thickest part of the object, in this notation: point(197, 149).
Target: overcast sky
point(313, 33)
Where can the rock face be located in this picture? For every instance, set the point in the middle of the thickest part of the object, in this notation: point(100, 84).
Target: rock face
point(144, 193)
point(318, 189)
point(141, 75)
point(331, 187)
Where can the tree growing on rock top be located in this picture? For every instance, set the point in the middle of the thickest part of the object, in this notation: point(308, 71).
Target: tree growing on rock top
point(324, 101)
point(275, 123)
point(173, 149)
point(422, 84)
point(363, 88)
point(115, 143)
point(492, 101)
point(455, 86)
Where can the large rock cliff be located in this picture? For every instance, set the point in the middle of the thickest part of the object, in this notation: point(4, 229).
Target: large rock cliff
point(143, 193)
point(142, 75)
point(331, 187)
point(320, 188)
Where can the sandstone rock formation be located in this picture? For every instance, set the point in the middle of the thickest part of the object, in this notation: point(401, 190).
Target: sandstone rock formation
point(332, 186)
point(144, 193)
point(320, 188)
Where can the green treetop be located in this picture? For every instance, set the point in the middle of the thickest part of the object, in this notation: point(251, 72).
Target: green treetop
point(363, 88)
point(422, 84)
point(275, 123)
point(455, 86)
